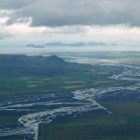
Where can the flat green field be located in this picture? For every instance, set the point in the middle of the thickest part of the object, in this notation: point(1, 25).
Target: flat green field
point(17, 137)
point(7, 120)
point(122, 124)
point(46, 84)
point(60, 83)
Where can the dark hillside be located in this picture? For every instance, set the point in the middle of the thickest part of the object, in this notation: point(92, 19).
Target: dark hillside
point(21, 65)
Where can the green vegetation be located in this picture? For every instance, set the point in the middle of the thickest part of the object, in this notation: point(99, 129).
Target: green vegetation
point(12, 66)
point(122, 124)
point(13, 137)
point(63, 82)
point(7, 120)
point(81, 76)
point(123, 108)
point(37, 74)
point(19, 73)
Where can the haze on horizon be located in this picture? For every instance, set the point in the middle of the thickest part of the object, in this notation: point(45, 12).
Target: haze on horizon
point(37, 22)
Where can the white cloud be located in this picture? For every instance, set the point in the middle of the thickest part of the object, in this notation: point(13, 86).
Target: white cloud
point(68, 20)
point(116, 30)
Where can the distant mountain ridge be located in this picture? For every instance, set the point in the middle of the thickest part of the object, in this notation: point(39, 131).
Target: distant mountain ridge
point(21, 65)
point(63, 44)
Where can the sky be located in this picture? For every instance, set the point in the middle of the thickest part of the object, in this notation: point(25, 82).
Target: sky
point(27, 25)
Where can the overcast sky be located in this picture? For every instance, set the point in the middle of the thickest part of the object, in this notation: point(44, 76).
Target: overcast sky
point(114, 22)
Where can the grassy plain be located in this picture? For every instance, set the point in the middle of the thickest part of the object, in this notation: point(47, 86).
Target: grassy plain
point(96, 77)
point(59, 83)
point(13, 137)
point(47, 84)
point(7, 120)
point(63, 82)
point(122, 124)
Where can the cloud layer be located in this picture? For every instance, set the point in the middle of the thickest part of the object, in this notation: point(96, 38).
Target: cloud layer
point(74, 12)
point(14, 4)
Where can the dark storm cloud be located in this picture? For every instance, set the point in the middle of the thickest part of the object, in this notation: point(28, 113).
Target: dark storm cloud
point(14, 4)
point(81, 12)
